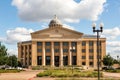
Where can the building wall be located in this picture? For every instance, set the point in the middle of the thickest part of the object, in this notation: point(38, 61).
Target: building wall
point(25, 53)
point(36, 52)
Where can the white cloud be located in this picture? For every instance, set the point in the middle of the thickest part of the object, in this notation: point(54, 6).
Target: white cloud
point(112, 34)
point(12, 51)
point(113, 43)
point(68, 26)
point(16, 35)
point(67, 10)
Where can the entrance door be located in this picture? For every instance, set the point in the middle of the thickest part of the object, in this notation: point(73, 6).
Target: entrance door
point(56, 61)
point(65, 60)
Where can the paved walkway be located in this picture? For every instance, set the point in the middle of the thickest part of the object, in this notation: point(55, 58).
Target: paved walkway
point(24, 75)
point(30, 75)
point(112, 75)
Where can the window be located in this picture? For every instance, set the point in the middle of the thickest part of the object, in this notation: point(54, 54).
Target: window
point(47, 60)
point(47, 43)
point(39, 50)
point(90, 43)
point(73, 60)
point(39, 60)
point(65, 43)
point(90, 57)
point(65, 50)
point(65, 60)
point(83, 50)
point(56, 60)
point(83, 43)
point(56, 50)
point(99, 43)
point(39, 43)
point(29, 46)
point(74, 43)
point(83, 63)
point(48, 50)
point(90, 50)
point(56, 44)
point(91, 63)
point(99, 50)
point(83, 57)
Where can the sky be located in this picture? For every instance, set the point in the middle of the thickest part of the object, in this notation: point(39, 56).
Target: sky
point(18, 18)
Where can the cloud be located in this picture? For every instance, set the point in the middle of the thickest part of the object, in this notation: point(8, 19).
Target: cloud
point(68, 26)
point(113, 43)
point(16, 35)
point(67, 10)
point(112, 34)
point(12, 52)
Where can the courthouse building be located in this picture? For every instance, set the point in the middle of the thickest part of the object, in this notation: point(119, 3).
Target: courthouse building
point(60, 46)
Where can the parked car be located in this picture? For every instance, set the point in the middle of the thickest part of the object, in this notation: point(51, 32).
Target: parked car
point(108, 68)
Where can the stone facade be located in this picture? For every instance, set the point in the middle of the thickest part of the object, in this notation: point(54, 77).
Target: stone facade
point(53, 46)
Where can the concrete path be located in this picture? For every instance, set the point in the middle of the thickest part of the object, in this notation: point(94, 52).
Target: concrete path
point(113, 75)
point(24, 75)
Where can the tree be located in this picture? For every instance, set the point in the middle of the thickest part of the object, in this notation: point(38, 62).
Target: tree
point(3, 54)
point(12, 61)
point(108, 60)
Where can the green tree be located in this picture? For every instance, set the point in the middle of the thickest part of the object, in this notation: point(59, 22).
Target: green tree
point(108, 60)
point(3, 54)
point(12, 61)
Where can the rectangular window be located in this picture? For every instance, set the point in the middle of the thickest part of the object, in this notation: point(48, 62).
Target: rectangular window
point(83, 43)
point(99, 43)
point(47, 43)
point(56, 43)
point(83, 57)
point(83, 63)
point(39, 50)
point(91, 63)
point(65, 43)
point(39, 60)
point(65, 50)
point(56, 50)
point(90, 57)
point(47, 60)
point(83, 50)
point(90, 43)
point(90, 50)
point(47, 50)
point(74, 43)
point(39, 43)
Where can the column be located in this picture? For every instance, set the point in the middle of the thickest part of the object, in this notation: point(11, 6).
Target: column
point(87, 53)
point(69, 55)
point(61, 54)
point(34, 53)
point(27, 55)
point(43, 54)
point(19, 52)
point(52, 54)
point(103, 50)
point(24, 55)
point(95, 55)
point(79, 54)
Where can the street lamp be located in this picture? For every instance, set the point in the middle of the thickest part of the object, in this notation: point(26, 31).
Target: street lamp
point(98, 53)
point(72, 50)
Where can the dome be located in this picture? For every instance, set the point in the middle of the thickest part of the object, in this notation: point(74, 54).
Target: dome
point(55, 22)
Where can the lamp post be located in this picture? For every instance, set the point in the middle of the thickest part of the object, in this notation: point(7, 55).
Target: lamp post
point(72, 50)
point(98, 53)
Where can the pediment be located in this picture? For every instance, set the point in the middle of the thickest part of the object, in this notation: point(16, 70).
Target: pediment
point(57, 32)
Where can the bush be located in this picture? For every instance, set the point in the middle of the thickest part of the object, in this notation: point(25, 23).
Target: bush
point(9, 71)
point(113, 71)
point(68, 73)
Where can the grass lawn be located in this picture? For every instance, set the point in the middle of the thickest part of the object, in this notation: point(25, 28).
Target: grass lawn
point(68, 73)
point(9, 71)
